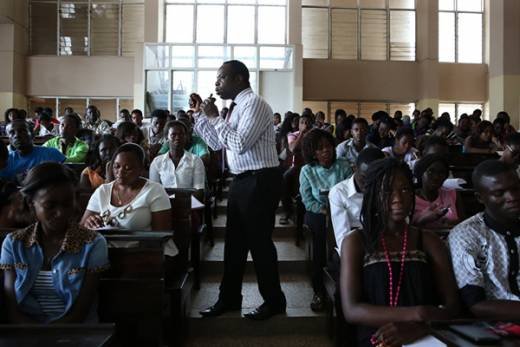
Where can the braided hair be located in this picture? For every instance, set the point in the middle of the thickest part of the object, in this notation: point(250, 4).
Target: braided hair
point(374, 210)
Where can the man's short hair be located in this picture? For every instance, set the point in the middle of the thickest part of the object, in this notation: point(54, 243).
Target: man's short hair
point(488, 168)
point(360, 120)
point(238, 68)
point(369, 155)
point(161, 114)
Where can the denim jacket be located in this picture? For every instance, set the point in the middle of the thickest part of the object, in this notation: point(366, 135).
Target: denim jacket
point(82, 251)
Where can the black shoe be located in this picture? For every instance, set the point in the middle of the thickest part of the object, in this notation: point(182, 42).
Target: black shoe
point(318, 303)
point(219, 308)
point(264, 312)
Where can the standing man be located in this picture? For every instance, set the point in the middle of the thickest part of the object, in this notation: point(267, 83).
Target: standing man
point(248, 139)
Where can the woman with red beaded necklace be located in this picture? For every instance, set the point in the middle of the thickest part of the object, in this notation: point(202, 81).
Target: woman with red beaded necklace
point(393, 276)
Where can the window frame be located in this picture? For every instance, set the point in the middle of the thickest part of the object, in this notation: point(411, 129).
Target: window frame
point(456, 116)
point(225, 4)
point(358, 10)
point(195, 68)
point(119, 3)
point(456, 12)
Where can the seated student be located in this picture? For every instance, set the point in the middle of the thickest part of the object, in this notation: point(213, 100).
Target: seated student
point(403, 147)
point(321, 124)
point(292, 166)
point(96, 173)
point(178, 168)
point(137, 117)
point(45, 126)
point(154, 132)
point(481, 141)
point(129, 132)
point(484, 248)
point(511, 154)
point(25, 155)
point(9, 115)
point(436, 207)
point(343, 130)
point(393, 276)
point(346, 197)
point(51, 268)
point(277, 122)
point(194, 143)
point(351, 148)
point(381, 135)
point(321, 173)
point(124, 116)
point(67, 143)
point(94, 122)
point(130, 201)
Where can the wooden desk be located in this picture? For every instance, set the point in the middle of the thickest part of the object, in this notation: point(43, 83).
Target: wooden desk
point(73, 335)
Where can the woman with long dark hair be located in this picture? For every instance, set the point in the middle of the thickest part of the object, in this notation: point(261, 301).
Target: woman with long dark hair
point(393, 276)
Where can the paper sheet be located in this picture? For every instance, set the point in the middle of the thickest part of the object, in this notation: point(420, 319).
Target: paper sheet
point(427, 341)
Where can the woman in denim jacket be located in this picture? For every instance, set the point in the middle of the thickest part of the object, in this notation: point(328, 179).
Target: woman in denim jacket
point(51, 268)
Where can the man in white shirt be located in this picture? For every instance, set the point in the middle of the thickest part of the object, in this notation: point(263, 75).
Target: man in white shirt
point(346, 197)
point(247, 138)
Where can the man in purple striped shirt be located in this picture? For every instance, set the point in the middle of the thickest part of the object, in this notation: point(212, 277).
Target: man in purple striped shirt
point(248, 139)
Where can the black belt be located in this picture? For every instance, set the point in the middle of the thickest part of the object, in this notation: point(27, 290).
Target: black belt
point(254, 172)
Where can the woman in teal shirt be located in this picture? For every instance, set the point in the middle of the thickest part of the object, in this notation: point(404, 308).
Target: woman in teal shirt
point(321, 172)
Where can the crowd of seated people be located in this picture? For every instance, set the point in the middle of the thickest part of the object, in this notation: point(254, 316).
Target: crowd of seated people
point(386, 186)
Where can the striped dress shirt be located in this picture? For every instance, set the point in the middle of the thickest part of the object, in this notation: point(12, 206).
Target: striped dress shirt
point(247, 135)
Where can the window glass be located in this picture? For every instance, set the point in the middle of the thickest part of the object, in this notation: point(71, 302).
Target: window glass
point(157, 86)
point(73, 28)
point(344, 34)
point(469, 35)
point(373, 35)
point(182, 87)
point(271, 24)
point(402, 35)
point(241, 26)
point(43, 28)
point(315, 26)
point(446, 37)
point(210, 24)
point(104, 29)
point(132, 27)
point(176, 14)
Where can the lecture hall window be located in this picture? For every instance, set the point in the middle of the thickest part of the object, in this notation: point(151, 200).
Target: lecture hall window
point(88, 27)
point(226, 22)
point(359, 29)
point(461, 24)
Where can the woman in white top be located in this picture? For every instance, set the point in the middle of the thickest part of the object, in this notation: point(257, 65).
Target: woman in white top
point(178, 168)
point(130, 201)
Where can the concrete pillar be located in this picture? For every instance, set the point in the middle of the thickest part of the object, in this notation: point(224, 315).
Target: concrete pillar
point(427, 42)
point(13, 49)
point(504, 58)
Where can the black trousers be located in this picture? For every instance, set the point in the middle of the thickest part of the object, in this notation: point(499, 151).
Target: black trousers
point(317, 224)
point(252, 203)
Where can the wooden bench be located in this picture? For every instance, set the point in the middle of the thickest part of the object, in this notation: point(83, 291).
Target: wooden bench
point(463, 164)
point(133, 292)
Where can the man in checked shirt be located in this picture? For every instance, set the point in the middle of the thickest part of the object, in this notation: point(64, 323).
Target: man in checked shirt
point(248, 140)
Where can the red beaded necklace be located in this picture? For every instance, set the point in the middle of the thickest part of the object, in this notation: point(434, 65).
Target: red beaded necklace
point(394, 299)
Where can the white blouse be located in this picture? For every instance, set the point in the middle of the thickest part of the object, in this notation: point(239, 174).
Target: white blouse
point(190, 172)
point(137, 214)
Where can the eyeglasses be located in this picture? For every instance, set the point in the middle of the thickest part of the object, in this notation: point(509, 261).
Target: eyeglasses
point(112, 221)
